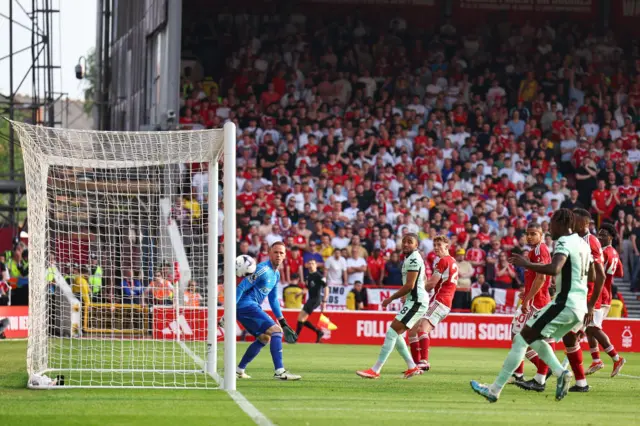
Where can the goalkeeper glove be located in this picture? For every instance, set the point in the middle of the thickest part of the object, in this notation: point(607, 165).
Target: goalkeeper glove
point(289, 335)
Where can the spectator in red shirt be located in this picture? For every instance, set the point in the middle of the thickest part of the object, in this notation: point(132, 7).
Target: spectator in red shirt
point(599, 198)
point(505, 273)
point(375, 267)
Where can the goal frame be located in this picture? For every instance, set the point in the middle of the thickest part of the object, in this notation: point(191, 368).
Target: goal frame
point(38, 174)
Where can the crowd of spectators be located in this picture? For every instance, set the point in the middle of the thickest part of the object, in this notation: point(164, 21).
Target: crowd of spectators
point(351, 136)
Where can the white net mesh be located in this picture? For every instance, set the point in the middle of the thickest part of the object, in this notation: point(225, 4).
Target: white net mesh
point(119, 255)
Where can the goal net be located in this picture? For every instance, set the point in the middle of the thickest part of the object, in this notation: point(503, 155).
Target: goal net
point(127, 268)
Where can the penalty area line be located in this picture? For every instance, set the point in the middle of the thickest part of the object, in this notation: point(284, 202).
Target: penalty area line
point(255, 414)
point(629, 376)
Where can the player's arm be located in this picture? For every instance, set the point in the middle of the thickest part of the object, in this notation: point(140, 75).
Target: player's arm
point(323, 305)
point(289, 335)
point(434, 280)
point(553, 268)
point(597, 289)
point(412, 278)
point(596, 275)
point(275, 303)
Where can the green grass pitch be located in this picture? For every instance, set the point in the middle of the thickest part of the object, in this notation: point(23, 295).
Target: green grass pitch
point(329, 394)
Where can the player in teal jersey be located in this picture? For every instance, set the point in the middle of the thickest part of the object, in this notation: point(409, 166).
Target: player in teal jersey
point(416, 304)
point(571, 264)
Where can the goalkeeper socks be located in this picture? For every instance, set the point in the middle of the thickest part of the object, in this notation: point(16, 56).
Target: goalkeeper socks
point(252, 351)
point(388, 345)
point(311, 326)
point(299, 327)
point(403, 349)
point(514, 358)
point(276, 350)
point(547, 355)
point(414, 344)
point(424, 340)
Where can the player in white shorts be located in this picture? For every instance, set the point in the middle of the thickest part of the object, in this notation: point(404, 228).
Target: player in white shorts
point(535, 296)
point(416, 304)
point(443, 282)
point(572, 264)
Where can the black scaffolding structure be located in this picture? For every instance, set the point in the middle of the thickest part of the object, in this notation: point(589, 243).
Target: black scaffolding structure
point(36, 17)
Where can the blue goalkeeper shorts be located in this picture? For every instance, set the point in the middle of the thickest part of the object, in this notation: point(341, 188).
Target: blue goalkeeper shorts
point(254, 319)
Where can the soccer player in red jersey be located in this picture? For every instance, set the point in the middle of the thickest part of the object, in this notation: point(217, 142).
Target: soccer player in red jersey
point(443, 282)
point(534, 297)
point(574, 354)
point(595, 334)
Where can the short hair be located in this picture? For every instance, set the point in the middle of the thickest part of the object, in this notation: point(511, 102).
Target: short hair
point(535, 225)
point(609, 228)
point(579, 212)
point(441, 239)
point(411, 235)
point(278, 243)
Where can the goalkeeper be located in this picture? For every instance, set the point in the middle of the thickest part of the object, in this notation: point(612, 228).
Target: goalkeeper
point(249, 297)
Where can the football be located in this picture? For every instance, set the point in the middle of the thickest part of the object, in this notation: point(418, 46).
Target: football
point(245, 265)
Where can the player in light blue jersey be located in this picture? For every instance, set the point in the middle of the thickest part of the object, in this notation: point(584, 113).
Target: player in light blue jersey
point(249, 297)
point(572, 265)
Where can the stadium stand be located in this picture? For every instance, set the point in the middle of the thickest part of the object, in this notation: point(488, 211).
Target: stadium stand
point(367, 135)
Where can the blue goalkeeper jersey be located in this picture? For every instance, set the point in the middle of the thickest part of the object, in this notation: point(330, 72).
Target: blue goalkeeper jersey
point(263, 283)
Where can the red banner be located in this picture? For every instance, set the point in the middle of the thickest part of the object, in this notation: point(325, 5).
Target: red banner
point(356, 328)
point(190, 325)
point(370, 327)
point(18, 317)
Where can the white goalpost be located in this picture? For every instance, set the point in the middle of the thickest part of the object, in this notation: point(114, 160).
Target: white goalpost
point(127, 257)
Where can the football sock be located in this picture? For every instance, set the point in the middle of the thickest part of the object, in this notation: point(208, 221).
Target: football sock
point(402, 348)
point(299, 327)
point(276, 350)
point(252, 351)
point(533, 357)
point(423, 339)
point(519, 370)
point(611, 351)
point(514, 358)
point(414, 344)
point(311, 326)
point(575, 360)
point(543, 369)
point(595, 354)
point(547, 355)
point(540, 378)
point(388, 345)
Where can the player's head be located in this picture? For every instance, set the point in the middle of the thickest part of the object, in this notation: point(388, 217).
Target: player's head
point(534, 233)
point(277, 252)
point(313, 266)
point(606, 234)
point(409, 243)
point(562, 223)
point(582, 218)
point(441, 245)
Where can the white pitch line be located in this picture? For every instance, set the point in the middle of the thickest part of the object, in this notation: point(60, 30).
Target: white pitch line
point(244, 404)
point(629, 376)
point(255, 414)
